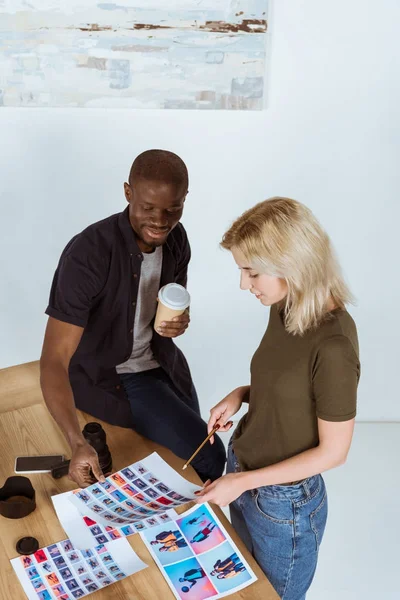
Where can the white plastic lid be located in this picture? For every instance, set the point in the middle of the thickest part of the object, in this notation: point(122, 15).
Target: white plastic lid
point(174, 296)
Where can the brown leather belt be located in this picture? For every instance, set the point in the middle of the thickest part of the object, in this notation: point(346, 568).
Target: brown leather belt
point(292, 482)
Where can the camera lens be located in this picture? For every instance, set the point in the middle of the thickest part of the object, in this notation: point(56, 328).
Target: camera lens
point(95, 435)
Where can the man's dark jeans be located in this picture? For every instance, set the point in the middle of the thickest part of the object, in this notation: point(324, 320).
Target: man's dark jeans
point(165, 416)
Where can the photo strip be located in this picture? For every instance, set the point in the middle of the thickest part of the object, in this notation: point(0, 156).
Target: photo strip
point(197, 557)
point(133, 499)
point(85, 532)
point(144, 489)
point(61, 572)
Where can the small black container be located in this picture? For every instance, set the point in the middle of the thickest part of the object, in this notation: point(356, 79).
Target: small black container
point(17, 498)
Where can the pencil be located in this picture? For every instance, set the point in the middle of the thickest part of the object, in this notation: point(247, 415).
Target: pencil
point(200, 447)
point(230, 423)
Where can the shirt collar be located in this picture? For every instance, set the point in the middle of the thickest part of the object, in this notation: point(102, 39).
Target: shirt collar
point(128, 233)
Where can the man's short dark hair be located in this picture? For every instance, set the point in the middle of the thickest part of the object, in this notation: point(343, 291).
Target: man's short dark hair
point(160, 165)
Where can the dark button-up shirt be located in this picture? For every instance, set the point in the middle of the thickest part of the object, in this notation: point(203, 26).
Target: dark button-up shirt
point(95, 287)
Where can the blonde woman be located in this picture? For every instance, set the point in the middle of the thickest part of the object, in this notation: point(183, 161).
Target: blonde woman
point(302, 395)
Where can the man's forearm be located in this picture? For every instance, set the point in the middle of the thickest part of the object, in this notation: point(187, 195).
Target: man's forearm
point(58, 395)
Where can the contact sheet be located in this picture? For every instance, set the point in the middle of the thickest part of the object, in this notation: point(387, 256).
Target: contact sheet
point(197, 556)
point(61, 572)
point(138, 497)
point(194, 552)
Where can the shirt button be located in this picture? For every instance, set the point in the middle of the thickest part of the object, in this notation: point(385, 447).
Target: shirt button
point(133, 303)
point(131, 331)
point(117, 387)
point(135, 275)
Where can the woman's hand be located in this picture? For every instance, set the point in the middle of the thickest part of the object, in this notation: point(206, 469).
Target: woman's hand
point(222, 412)
point(222, 491)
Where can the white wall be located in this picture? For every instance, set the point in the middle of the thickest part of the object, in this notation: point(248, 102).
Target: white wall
point(329, 138)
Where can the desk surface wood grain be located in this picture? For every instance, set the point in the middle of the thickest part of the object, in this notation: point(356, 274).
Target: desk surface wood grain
point(26, 428)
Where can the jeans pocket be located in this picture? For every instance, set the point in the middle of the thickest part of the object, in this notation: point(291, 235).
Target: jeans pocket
point(271, 525)
point(318, 520)
point(275, 510)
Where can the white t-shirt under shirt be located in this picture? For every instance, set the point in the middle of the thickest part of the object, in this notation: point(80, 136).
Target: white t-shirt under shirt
point(142, 358)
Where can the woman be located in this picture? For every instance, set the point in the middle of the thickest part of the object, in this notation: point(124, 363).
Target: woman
point(302, 397)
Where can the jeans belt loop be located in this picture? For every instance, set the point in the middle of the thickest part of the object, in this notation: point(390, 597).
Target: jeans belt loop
point(306, 487)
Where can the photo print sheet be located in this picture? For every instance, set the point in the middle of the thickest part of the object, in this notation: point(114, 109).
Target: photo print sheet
point(138, 497)
point(60, 572)
point(85, 532)
point(197, 557)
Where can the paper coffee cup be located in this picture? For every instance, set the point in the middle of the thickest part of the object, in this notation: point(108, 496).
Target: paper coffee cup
point(173, 300)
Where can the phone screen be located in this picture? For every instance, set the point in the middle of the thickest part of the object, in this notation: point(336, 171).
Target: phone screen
point(24, 464)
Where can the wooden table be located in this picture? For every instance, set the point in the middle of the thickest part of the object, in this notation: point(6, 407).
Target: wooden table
point(26, 428)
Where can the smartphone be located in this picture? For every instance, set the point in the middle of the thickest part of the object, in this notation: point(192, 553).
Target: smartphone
point(37, 464)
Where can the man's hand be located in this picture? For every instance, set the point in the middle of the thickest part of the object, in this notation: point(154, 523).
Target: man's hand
point(176, 327)
point(84, 458)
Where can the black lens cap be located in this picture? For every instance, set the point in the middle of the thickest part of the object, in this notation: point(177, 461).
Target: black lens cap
point(27, 545)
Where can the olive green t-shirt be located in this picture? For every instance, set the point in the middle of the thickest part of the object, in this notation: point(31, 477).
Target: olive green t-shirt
point(295, 380)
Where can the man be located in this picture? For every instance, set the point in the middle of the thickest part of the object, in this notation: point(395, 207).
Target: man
point(228, 563)
point(230, 567)
point(197, 519)
point(170, 541)
point(178, 545)
point(204, 533)
point(191, 577)
point(100, 351)
point(230, 573)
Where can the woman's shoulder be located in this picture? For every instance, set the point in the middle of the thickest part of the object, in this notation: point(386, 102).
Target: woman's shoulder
point(340, 326)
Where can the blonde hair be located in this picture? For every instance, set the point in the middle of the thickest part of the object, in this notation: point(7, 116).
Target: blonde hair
point(281, 237)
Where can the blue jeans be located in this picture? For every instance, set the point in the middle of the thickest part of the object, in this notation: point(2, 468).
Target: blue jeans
point(164, 415)
point(282, 526)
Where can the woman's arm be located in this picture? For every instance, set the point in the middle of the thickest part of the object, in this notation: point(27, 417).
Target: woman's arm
point(335, 377)
point(334, 385)
point(335, 440)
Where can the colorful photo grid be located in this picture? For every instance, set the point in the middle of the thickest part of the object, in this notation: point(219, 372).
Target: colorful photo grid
point(108, 533)
point(142, 496)
point(197, 557)
point(85, 532)
point(60, 572)
point(136, 494)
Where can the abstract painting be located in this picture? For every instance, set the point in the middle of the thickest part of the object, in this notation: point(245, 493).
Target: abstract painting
point(161, 54)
